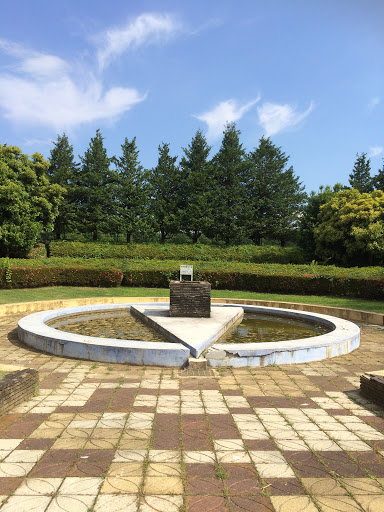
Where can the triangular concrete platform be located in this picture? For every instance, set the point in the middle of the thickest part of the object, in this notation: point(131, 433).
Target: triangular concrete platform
point(195, 333)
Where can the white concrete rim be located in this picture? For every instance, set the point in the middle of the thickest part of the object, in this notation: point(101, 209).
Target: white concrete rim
point(33, 331)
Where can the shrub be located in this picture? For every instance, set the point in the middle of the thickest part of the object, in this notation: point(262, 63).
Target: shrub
point(24, 277)
point(199, 252)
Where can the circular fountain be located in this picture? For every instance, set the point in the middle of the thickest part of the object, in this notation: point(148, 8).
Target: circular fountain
point(186, 337)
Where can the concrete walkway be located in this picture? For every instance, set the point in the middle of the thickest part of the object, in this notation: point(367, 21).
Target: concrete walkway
point(111, 438)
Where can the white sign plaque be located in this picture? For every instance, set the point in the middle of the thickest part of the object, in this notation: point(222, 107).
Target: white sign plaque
point(186, 270)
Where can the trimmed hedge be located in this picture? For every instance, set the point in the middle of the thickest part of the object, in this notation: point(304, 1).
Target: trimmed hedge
point(197, 252)
point(367, 283)
point(342, 286)
point(24, 277)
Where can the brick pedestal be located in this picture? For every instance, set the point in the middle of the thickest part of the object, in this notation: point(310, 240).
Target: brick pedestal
point(190, 299)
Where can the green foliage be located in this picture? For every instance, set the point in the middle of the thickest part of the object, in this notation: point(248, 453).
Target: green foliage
point(197, 206)
point(367, 282)
point(360, 178)
point(164, 183)
point(378, 179)
point(131, 191)
point(93, 190)
point(275, 195)
point(351, 228)
point(62, 171)
point(310, 217)
point(34, 277)
point(28, 203)
point(229, 172)
point(198, 252)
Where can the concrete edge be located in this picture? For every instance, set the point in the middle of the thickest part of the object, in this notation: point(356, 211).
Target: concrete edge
point(197, 347)
point(343, 339)
point(33, 331)
point(354, 315)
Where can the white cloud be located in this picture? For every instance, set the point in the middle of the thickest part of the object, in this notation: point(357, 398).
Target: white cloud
point(225, 112)
point(145, 29)
point(47, 90)
point(275, 118)
point(375, 151)
point(373, 102)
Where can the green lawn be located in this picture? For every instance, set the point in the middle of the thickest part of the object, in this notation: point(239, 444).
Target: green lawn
point(68, 292)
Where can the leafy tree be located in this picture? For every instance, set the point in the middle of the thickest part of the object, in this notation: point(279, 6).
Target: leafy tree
point(230, 170)
point(309, 219)
point(164, 182)
point(378, 180)
point(131, 190)
point(196, 215)
point(28, 203)
point(275, 194)
point(360, 178)
point(93, 190)
point(351, 228)
point(62, 170)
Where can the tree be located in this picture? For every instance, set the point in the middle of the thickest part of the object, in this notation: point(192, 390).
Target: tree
point(229, 174)
point(310, 216)
point(275, 194)
point(62, 170)
point(28, 203)
point(196, 215)
point(351, 228)
point(360, 178)
point(93, 190)
point(164, 181)
point(131, 190)
point(378, 179)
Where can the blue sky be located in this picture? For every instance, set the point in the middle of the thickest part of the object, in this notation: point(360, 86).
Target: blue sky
point(307, 73)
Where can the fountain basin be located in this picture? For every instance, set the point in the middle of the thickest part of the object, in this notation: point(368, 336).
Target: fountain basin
point(33, 331)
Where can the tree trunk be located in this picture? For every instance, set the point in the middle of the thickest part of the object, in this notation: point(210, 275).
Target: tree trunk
point(129, 237)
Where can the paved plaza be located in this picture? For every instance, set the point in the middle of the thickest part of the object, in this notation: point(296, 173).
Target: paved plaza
point(108, 438)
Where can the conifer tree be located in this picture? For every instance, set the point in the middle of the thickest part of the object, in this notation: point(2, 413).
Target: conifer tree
point(196, 214)
point(93, 190)
point(164, 182)
point(62, 170)
point(275, 194)
point(378, 179)
point(131, 190)
point(230, 173)
point(360, 178)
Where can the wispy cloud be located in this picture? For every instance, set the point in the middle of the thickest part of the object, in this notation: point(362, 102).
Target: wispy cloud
point(275, 118)
point(375, 151)
point(373, 102)
point(145, 29)
point(225, 112)
point(47, 90)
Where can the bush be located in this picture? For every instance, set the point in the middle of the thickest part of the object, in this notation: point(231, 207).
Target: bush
point(305, 284)
point(199, 252)
point(24, 277)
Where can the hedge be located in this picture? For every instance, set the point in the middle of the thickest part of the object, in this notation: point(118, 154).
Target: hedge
point(197, 252)
point(24, 277)
point(284, 284)
point(367, 283)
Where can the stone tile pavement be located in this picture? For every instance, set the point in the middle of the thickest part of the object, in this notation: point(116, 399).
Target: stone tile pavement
point(109, 438)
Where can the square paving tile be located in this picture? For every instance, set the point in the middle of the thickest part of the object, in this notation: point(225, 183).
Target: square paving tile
point(38, 486)
point(293, 504)
point(26, 504)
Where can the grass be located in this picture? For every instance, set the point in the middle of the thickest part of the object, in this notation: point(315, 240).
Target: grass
point(2, 373)
point(69, 292)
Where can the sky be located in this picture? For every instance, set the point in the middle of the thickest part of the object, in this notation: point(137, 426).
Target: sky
point(309, 74)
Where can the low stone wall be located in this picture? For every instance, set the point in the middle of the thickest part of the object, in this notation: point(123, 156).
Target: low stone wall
point(372, 387)
point(17, 387)
point(190, 299)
